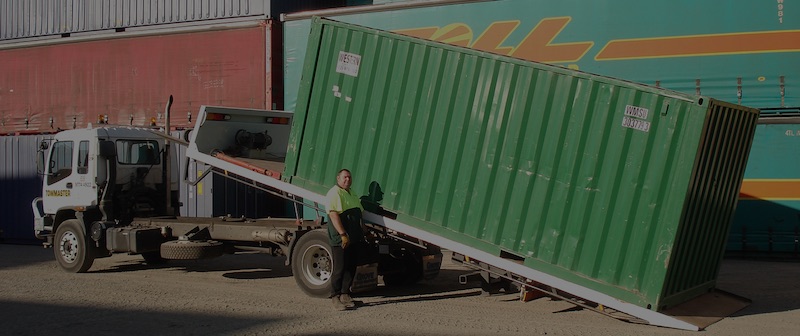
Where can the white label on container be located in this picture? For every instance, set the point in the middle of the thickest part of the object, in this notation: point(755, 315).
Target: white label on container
point(636, 112)
point(348, 64)
point(636, 124)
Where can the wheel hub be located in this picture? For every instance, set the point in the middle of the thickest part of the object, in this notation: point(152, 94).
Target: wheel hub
point(68, 247)
point(317, 265)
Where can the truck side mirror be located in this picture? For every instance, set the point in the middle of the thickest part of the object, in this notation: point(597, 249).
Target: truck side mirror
point(107, 149)
point(40, 159)
point(44, 145)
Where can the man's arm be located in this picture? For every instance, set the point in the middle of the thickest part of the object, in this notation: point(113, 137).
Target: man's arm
point(337, 222)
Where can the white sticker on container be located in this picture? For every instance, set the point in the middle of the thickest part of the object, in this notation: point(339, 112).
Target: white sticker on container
point(348, 63)
point(636, 112)
point(636, 124)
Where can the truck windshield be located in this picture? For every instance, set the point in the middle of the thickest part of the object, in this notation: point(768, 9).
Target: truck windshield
point(60, 162)
point(139, 152)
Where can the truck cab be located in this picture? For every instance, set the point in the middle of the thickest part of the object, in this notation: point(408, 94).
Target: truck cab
point(77, 175)
point(96, 178)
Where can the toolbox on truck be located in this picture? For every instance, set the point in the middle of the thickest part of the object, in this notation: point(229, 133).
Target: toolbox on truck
point(619, 190)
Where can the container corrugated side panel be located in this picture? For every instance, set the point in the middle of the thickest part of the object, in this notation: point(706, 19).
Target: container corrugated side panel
point(130, 78)
point(39, 17)
point(710, 204)
point(505, 155)
point(116, 14)
point(20, 184)
point(23, 19)
point(36, 18)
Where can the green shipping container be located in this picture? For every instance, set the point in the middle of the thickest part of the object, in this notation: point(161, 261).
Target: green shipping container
point(622, 188)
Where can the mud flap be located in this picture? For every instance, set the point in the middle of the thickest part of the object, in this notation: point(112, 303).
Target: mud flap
point(366, 278)
point(708, 308)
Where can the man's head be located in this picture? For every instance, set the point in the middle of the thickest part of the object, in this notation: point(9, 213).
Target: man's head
point(344, 179)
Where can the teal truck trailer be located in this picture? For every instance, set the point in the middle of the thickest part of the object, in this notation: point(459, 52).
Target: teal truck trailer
point(741, 51)
point(613, 194)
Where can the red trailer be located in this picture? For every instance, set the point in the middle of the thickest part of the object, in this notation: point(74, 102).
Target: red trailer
point(124, 78)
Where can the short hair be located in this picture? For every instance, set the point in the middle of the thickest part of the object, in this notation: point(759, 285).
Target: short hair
point(342, 171)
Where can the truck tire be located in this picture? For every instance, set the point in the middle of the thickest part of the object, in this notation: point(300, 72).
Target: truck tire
point(312, 264)
point(191, 249)
point(70, 248)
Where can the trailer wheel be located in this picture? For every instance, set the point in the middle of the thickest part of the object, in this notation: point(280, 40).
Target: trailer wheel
point(191, 249)
point(312, 264)
point(70, 248)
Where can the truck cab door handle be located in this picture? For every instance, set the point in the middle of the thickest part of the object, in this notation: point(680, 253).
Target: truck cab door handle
point(69, 185)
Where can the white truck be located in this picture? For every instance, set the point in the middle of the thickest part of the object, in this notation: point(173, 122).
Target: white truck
point(106, 190)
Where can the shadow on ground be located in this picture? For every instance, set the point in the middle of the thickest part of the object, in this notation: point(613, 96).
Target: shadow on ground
point(16, 255)
point(82, 320)
point(772, 286)
point(242, 265)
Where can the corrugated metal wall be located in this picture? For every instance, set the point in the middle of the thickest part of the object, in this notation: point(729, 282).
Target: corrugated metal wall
point(30, 18)
point(584, 177)
point(65, 86)
point(36, 18)
point(710, 204)
point(19, 184)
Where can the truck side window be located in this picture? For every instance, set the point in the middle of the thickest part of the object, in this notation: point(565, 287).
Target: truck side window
point(60, 165)
point(138, 152)
point(83, 157)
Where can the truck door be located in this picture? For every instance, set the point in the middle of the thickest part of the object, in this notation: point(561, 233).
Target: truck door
point(69, 179)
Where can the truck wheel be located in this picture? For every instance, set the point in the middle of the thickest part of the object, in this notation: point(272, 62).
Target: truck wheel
point(312, 264)
point(191, 249)
point(69, 246)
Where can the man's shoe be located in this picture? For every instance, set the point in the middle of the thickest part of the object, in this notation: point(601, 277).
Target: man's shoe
point(337, 304)
point(347, 300)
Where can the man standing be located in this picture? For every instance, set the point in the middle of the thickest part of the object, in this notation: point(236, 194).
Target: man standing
point(346, 234)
